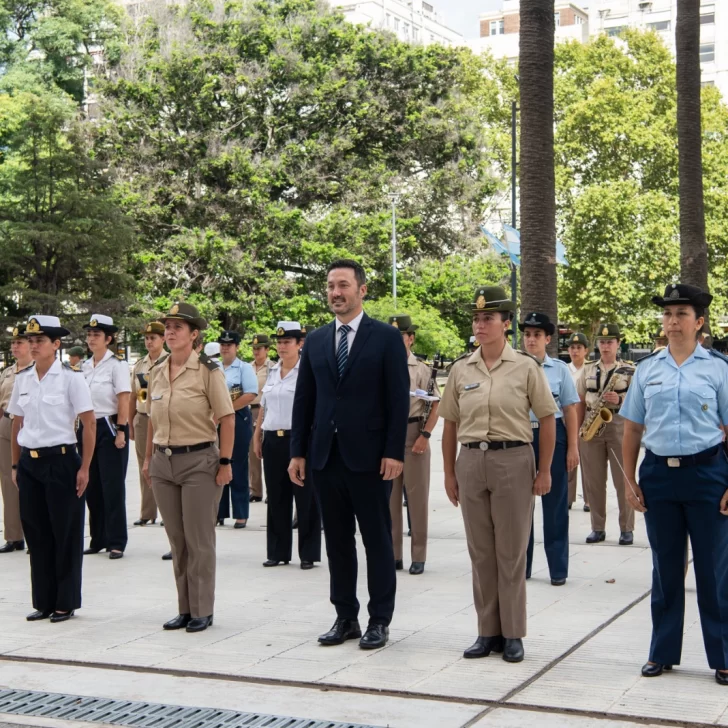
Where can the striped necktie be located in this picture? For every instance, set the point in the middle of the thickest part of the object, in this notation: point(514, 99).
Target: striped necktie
point(342, 351)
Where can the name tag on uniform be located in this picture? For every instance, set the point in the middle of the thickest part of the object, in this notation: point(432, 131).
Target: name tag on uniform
point(652, 384)
point(468, 387)
point(156, 398)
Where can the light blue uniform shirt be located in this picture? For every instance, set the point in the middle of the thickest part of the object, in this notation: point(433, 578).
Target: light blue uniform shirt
point(241, 374)
point(561, 383)
point(682, 408)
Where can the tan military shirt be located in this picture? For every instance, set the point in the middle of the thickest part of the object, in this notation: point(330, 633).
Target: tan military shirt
point(594, 376)
point(182, 410)
point(7, 379)
point(262, 374)
point(419, 374)
point(494, 405)
point(141, 367)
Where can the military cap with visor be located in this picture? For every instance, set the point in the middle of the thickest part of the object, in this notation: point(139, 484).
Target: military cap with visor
point(677, 293)
point(403, 323)
point(608, 331)
point(538, 321)
point(182, 311)
point(578, 338)
point(18, 332)
point(490, 298)
point(260, 340)
point(229, 337)
point(154, 327)
point(102, 323)
point(76, 351)
point(288, 330)
point(50, 326)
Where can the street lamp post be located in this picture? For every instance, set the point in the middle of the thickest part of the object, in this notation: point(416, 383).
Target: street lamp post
point(514, 211)
point(394, 197)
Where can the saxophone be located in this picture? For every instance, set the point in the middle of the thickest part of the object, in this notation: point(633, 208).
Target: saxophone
point(430, 391)
point(600, 415)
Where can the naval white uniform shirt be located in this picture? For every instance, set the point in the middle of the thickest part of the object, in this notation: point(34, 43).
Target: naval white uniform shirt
point(277, 399)
point(106, 380)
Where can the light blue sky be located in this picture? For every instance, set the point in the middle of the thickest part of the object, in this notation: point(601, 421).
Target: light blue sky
point(462, 15)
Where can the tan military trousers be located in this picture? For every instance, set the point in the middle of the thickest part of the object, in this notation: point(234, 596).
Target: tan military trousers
point(595, 454)
point(12, 528)
point(573, 476)
point(255, 464)
point(188, 497)
point(416, 478)
point(149, 504)
point(496, 497)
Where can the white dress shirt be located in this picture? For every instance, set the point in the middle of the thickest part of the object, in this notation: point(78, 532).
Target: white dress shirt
point(277, 401)
point(49, 406)
point(574, 371)
point(350, 336)
point(106, 380)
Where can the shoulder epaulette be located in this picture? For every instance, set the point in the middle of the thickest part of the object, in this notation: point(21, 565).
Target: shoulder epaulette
point(649, 356)
point(718, 355)
point(460, 358)
point(211, 364)
point(161, 360)
point(29, 368)
point(563, 363)
point(530, 356)
point(120, 357)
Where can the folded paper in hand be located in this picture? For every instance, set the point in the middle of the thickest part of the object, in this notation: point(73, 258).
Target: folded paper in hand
point(421, 394)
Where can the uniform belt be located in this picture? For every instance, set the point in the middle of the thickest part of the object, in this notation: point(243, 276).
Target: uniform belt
point(278, 433)
point(44, 452)
point(685, 461)
point(254, 406)
point(506, 445)
point(8, 415)
point(535, 425)
point(169, 451)
point(143, 414)
point(414, 419)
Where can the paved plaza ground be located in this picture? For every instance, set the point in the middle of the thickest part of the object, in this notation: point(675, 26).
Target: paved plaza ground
point(586, 642)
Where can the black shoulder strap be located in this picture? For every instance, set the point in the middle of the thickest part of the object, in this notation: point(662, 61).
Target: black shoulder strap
point(161, 360)
point(648, 356)
point(455, 361)
point(718, 355)
point(209, 363)
point(530, 356)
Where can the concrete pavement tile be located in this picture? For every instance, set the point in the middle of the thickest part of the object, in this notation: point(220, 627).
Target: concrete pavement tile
point(505, 718)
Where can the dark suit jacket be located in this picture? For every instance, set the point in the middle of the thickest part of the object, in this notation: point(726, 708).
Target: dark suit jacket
point(367, 409)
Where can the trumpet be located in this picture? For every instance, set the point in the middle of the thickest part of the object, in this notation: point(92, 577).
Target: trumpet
point(142, 393)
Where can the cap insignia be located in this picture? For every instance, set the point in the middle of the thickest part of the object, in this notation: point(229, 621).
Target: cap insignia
point(16, 331)
point(533, 321)
point(605, 331)
point(674, 293)
point(394, 323)
point(480, 302)
point(174, 310)
point(255, 340)
point(281, 331)
point(94, 323)
point(33, 326)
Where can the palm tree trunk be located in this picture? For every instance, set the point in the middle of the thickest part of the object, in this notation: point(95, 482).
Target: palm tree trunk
point(537, 182)
point(693, 247)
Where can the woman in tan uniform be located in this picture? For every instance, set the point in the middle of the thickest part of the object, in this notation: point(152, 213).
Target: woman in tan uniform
point(187, 395)
point(486, 407)
point(12, 528)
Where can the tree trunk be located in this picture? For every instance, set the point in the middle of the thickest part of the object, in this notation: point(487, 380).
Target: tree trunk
point(537, 182)
point(693, 247)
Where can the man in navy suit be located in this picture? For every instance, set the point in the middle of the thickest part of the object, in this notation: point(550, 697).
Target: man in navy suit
point(350, 421)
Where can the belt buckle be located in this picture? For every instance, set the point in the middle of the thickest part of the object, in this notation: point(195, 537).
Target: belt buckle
point(280, 433)
point(483, 445)
point(673, 462)
point(535, 425)
point(167, 451)
point(34, 454)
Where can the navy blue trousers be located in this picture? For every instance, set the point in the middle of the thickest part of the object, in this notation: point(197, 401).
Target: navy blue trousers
point(239, 489)
point(555, 510)
point(682, 501)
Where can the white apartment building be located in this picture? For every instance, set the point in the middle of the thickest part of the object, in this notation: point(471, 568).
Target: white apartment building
point(412, 21)
point(499, 30)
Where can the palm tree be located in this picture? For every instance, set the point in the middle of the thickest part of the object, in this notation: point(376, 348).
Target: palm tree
point(537, 182)
point(693, 247)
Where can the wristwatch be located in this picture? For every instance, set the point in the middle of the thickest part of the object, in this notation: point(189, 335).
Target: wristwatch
point(226, 461)
point(427, 435)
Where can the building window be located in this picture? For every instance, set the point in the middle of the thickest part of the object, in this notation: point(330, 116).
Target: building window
point(557, 19)
point(406, 30)
point(396, 25)
point(660, 26)
point(415, 34)
point(707, 19)
point(387, 20)
point(497, 27)
point(578, 20)
point(616, 30)
point(707, 52)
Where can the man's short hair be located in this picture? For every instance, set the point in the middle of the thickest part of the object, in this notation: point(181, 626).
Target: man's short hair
point(359, 274)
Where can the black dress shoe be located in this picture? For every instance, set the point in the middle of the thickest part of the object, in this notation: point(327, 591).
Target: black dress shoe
point(343, 629)
point(596, 536)
point(89, 551)
point(240, 525)
point(144, 521)
point(116, 555)
point(513, 650)
point(220, 521)
point(255, 499)
point(199, 624)
point(558, 582)
point(12, 546)
point(167, 556)
point(570, 504)
point(654, 669)
point(61, 616)
point(398, 565)
point(40, 614)
point(626, 538)
point(483, 646)
point(721, 677)
point(306, 565)
point(586, 508)
point(418, 567)
point(376, 636)
point(179, 622)
point(273, 562)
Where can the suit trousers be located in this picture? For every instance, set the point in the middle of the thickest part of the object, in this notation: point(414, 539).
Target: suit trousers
point(106, 492)
point(416, 477)
point(238, 490)
point(255, 465)
point(496, 497)
point(53, 520)
point(188, 498)
point(573, 478)
point(281, 494)
point(682, 501)
point(555, 510)
point(347, 497)
point(603, 449)
point(12, 528)
point(149, 505)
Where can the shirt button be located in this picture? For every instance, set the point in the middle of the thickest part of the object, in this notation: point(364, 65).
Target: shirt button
point(333, 423)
